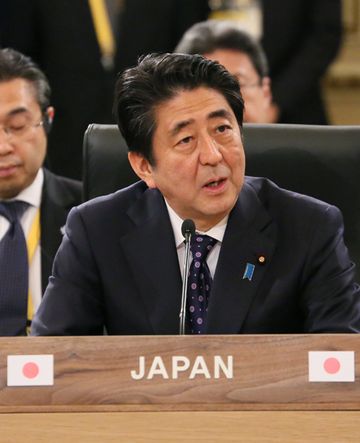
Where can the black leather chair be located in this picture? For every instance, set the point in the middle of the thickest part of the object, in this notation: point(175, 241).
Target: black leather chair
point(321, 161)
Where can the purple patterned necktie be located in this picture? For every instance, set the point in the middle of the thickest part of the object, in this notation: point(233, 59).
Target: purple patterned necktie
point(13, 272)
point(199, 282)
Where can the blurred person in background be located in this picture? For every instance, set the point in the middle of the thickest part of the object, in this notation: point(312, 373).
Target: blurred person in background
point(34, 202)
point(242, 56)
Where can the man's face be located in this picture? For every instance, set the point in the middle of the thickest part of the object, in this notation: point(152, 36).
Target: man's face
point(23, 148)
point(255, 91)
point(198, 156)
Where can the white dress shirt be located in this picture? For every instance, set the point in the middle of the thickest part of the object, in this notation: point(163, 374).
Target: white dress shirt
point(31, 195)
point(216, 232)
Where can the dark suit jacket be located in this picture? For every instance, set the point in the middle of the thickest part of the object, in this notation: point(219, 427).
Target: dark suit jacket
point(59, 195)
point(118, 266)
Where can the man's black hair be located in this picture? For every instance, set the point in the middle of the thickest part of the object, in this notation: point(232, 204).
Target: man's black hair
point(158, 78)
point(15, 65)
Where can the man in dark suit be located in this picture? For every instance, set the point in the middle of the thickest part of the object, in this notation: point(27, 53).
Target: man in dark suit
point(275, 261)
point(25, 119)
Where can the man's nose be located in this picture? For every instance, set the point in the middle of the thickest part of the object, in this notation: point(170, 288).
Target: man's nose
point(210, 152)
point(5, 146)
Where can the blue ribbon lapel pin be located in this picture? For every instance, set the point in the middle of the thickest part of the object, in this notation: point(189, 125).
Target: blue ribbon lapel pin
point(249, 271)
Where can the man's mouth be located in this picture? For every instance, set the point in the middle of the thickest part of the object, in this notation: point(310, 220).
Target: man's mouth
point(215, 183)
point(6, 170)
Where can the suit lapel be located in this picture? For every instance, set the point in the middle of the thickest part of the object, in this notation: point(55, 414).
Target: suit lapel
point(150, 250)
point(250, 233)
point(53, 214)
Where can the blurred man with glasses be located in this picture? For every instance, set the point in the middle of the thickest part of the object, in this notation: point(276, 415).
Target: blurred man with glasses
point(242, 56)
point(34, 203)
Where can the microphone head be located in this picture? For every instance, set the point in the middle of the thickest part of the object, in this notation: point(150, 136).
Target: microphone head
point(188, 227)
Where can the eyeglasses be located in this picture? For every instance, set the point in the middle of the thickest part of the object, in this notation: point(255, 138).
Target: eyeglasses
point(18, 131)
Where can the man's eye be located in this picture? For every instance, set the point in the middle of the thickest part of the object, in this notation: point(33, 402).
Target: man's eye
point(17, 128)
point(223, 128)
point(185, 140)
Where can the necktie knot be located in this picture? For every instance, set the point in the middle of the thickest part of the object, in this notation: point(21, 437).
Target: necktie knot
point(13, 210)
point(201, 245)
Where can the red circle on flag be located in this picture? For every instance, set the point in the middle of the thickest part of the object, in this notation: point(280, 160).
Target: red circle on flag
point(332, 365)
point(30, 370)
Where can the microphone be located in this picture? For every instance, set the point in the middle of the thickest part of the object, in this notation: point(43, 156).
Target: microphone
point(187, 230)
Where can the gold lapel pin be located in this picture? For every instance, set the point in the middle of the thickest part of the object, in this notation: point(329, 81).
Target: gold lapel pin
point(261, 259)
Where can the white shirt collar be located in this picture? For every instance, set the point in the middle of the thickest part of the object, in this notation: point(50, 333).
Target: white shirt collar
point(32, 194)
point(216, 231)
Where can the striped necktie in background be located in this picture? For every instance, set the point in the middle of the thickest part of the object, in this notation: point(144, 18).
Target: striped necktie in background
point(14, 272)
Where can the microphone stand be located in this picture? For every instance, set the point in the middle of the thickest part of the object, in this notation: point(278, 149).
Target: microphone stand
point(188, 229)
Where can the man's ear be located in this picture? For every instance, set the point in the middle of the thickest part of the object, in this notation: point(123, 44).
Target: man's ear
point(50, 112)
point(48, 118)
point(142, 168)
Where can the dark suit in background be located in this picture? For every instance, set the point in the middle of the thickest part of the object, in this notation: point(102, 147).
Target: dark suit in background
point(59, 35)
point(59, 195)
point(301, 38)
point(118, 267)
point(156, 26)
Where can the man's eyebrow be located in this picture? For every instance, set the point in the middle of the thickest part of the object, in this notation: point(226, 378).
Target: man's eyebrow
point(180, 125)
point(223, 113)
point(20, 110)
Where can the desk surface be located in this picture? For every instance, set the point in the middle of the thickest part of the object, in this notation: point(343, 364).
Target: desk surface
point(209, 427)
